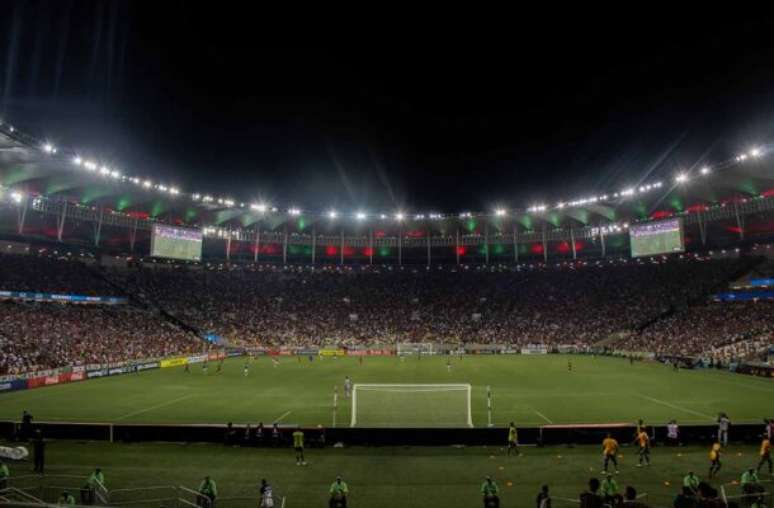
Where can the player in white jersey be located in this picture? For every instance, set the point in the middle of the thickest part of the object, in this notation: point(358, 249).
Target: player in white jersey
point(347, 387)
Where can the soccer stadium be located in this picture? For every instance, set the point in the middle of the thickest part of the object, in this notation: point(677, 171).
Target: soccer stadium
point(172, 344)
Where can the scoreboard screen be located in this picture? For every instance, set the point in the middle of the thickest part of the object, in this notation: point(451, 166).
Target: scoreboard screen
point(176, 243)
point(662, 237)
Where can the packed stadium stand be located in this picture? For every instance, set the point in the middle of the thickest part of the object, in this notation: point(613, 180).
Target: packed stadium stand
point(659, 305)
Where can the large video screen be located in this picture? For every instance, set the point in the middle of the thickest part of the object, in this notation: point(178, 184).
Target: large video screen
point(662, 237)
point(176, 243)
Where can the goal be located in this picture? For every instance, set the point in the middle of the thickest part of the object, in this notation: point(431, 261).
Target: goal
point(411, 405)
point(414, 348)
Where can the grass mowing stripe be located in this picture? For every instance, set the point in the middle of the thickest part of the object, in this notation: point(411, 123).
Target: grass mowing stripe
point(282, 416)
point(157, 406)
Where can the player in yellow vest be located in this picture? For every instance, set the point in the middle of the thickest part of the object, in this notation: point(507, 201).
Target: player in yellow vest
point(765, 455)
point(513, 440)
point(714, 456)
point(644, 441)
point(298, 444)
point(609, 451)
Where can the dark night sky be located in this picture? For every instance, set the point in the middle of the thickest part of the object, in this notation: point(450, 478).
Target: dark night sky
point(389, 116)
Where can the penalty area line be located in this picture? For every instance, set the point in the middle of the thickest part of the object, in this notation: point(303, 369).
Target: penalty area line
point(679, 408)
point(282, 416)
point(547, 419)
point(157, 406)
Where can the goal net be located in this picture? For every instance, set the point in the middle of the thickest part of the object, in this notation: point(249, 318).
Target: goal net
point(411, 405)
point(414, 348)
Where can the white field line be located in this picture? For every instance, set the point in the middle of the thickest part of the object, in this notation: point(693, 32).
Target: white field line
point(542, 416)
point(679, 408)
point(157, 406)
point(282, 416)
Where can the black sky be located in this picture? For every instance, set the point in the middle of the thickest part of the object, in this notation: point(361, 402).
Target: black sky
point(233, 100)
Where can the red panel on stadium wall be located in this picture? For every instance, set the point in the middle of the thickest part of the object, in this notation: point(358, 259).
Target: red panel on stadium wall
point(461, 251)
point(661, 214)
point(368, 251)
point(536, 248)
point(331, 251)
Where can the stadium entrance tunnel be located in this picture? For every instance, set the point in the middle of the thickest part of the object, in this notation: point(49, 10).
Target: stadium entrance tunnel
point(318, 436)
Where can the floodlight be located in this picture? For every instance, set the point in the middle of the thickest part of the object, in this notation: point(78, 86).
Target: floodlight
point(705, 170)
point(333, 214)
point(360, 215)
point(500, 212)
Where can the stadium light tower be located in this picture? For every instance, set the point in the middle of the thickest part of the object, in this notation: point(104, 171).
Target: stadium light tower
point(705, 170)
point(360, 216)
point(399, 216)
point(755, 152)
point(681, 178)
point(333, 214)
point(500, 212)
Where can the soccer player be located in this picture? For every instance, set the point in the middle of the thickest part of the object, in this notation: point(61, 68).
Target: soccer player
point(513, 440)
point(714, 456)
point(691, 482)
point(765, 455)
point(448, 364)
point(644, 441)
point(187, 368)
point(360, 360)
point(609, 451)
point(298, 445)
point(347, 387)
point(204, 367)
point(220, 367)
point(491, 493)
point(246, 369)
point(267, 496)
point(339, 491)
point(274, 361)
point(569, 365)
point(723, 423)
point(673, 433)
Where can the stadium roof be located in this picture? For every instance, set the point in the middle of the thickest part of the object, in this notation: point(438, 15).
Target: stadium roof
point(34, 167)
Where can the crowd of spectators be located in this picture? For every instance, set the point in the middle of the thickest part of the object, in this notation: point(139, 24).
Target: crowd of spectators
point(719, 330)
point(253, 305)
point(39, 336)
point(575, 305)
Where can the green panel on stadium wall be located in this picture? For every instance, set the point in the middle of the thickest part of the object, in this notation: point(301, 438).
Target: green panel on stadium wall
point(53, 187)
point(123, 203)
point(579, 214)
point(226, 215)
point(676, 203)
point(92, 193)
point(301, 223)
point(498, 249)
point(483, 250)
point(157, 209)
point(555, 219)
point(523, 248)
point(384, 251)
point(748, 186)
point(526, 221)
point(191, 213)
point(470, 225)
point(641, 210)
point(15, 175)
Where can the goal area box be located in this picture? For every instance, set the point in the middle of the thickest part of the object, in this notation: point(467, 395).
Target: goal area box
point(411, 406)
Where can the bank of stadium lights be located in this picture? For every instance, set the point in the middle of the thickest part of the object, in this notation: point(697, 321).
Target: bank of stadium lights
point(466, 215)
point(435, 216)
point(537, 208)
point(705, 170)
point(500, 212)
point(49, 148)
point(256, 207)
point(681, 178)
point(399, 216)
point(294, 212)
point(360, 216)
point(17, 197)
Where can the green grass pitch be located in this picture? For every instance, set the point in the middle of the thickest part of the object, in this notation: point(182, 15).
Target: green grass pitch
point(530, 390)
point(424, 477)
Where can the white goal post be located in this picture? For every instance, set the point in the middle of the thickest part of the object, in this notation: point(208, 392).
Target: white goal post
point(411, 405)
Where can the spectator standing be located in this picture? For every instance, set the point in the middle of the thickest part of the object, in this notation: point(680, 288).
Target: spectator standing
point(723, 425)
point(39, 452)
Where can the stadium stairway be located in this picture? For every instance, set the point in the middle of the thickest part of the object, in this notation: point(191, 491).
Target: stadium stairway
point(146, 303)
